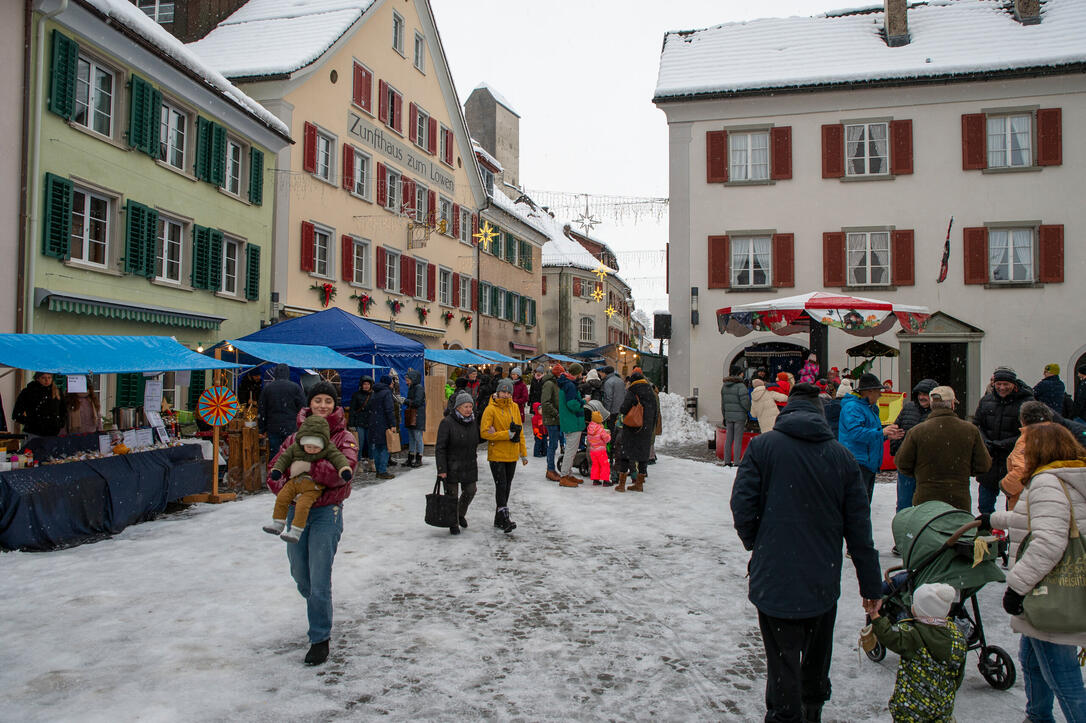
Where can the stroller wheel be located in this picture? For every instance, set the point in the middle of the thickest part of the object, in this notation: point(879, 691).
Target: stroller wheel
point(877, 653)
point(584, 469)
point(997, 667)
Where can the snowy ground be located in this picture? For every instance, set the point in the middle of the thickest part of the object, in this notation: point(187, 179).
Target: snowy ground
point(598, 607)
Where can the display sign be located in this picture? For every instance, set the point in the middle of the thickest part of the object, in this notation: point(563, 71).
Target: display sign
point(385, 142)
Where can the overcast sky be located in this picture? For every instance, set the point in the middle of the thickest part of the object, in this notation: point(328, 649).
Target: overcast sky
point(581, 74)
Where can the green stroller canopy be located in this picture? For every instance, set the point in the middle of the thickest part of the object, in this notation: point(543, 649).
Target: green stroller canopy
point(920, 533)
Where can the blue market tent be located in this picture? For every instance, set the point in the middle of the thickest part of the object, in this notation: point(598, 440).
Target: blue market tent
point(454, 357)
point(557, 357)
point(494, 356)
point(301, 356)
point(100, 354)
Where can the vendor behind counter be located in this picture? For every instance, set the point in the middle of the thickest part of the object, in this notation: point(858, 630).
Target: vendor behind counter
point(40, 407)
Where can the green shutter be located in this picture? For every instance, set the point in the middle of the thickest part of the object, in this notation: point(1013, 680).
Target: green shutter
point(218, 155)
point(57, 226)
point(62, 87)
point(526, 255)
point(214, 264)
point(510, 247)
point(141, 239)
point(202, 166)
point(252, 272)
point(130, 390)
point(201, 244)
point(509, 296)
point(196, 388)
point(494, 295)
point(531, 317)
point(256, 177)
point(144, 110)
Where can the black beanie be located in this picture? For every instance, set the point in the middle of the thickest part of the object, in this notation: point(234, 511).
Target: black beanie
point(804, 390)
point(322, 387)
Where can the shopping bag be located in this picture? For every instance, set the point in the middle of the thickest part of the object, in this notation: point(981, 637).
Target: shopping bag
point(411, 416)
point(440, 508)
point(634, 418)
point(1056, 603)
point(392, 440)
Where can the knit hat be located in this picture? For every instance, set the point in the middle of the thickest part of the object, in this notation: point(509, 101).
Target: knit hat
point(558, 370)
point(1004, 374)
point(540, 369)
point(1052, 369)
point(597, 418)
point(575, 369)
point(933, 600)
point(505, 385)
point(844, 388)
point(757, 383)
point(592, 375)
point(607, 369)
point(517, 371)
point(314, 430)
point(782, 376)
point(322, 387)
point(804, 390)
point(463, 397)
point(869, 382)
point(946, 394)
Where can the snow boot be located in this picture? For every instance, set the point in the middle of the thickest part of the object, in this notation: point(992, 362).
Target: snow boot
point(621, 486)
point(498, 519)
point(639, 484)
point(568, 481)
point(507, 524)
point(292, 534)
point(318, 653)
point(454, 530)
point(553, 476)
point(463, 521)
point(597, 482)
point(275, 527)
point(812, 713)
point(385, 475)
point(418, 460)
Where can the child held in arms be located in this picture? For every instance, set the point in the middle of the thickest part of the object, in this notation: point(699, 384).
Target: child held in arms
point(311, 444)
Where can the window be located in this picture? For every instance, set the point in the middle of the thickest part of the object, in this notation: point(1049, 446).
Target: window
point(750, 261)
point(1010, 254)
point(445, 144)
point(420, 52)
point(422, 128)
point(1010, 141)
point(512, 247)
point(392, 271)
point(172, 135)
point(484, 298)
point(395, 109)
point(444, 215)
point(397, 32)
point(465, 292)
point(420, 279)
point(230, 249)
point(161, 11)
point(497, 306)
point(93, 96)
point(465, 226)
point(361, 174)
point(90, 227)
point(588, 329)
point(361, 262)
point(233, 166)
point(171, 236)
point(444, 287)
point(514, 308)
point(488, 179)
point(867, 149)
point(393, 184)
point(325, 146)
point(422, 196)
point(749, 154)
point(322, 242)
point(868, 256)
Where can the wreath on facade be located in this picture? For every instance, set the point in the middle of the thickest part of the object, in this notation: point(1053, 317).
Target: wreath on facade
point(395, 306)
point(467, 322)
point(448, 317)
point(423, 312)
point(364, 302)
point(326, 291)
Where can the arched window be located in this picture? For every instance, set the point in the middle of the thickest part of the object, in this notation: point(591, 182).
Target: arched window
point(588, 328)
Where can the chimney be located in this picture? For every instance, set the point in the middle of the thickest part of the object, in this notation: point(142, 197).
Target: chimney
point(1027, 12)
point(897, 23)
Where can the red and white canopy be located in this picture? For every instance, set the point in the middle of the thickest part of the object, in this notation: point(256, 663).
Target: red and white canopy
point(855, 315)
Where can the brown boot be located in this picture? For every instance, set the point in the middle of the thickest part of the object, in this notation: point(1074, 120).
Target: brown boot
point(621, 486)
point(578, 480)
point(567, 482)
point(553, 476)
point(639, 484)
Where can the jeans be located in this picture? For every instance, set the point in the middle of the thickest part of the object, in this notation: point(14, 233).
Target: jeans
point(986, 499)
point(868, 476)
point(573, 442)
point(311, 566)
point(363, 443)
point(275, 441)
point(503, 481)
point(733, 442)
point(379, 454)
point(1052, 671)
point(414, 441)
point(906, 488)
point(797, 657)
point(554, 439)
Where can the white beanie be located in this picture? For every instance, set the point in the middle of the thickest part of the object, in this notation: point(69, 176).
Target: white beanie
point(933, 600)
point(313, 440)
point(844, 388)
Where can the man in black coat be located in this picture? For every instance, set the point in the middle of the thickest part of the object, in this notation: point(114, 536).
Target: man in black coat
point(277, 411)
point(997, 419)
point(1078, 411)
point(249, 386)
point(798, 493)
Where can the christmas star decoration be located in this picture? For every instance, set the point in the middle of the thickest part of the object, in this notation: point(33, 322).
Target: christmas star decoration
point(598, 294)
point(486, 236)
point(586, 220)
point(610, 311)
point(602, 271)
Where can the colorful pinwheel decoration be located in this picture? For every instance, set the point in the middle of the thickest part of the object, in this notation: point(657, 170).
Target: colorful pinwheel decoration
point(217, 406)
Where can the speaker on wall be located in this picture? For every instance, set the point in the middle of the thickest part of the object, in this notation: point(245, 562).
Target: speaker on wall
point(661, 326)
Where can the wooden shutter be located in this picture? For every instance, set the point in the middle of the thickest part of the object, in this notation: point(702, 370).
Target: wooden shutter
point(780, 153)
point(576, 287)
point(309, 148)
point(719, 259)
point(526, 255)
point(1050, 254)
point(309, 247)
point(196, 387)
point(57, 226)
point(413, 124)
point(214, 267)
point(974, 146)
point(833, 150)
point(431, 282)
point(348, 166)
point(407, 275)
point(543, 285)
point(784, 260)
point(901, 147)
point(449, 147)
point(975, 254)
point(202, 160)
point(382, 185)
point(346, 257)
point(1049, 137)
point(474, 294)
point(143, 116)
point(456, 289)
point(509, 315)
point(201, 245)
point(141, 227)
point(256, 177)
point(362, 87)
point(833, 259)
point(431, 145)
point(431, 207)
point(382, 101)
point(379, 267)
point(456, 220)
point(130, 390)
point(716, 156)
point(397, 109)
point(62, 77)
point(252, 272)
point(901, 249)
point(474, 227)
point(218, 155)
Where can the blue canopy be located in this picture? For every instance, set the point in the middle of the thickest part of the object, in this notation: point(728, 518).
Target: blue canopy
point(454, 357)
point(494, 356)
point(557, 357)
point(100, 354)
point(298, 355)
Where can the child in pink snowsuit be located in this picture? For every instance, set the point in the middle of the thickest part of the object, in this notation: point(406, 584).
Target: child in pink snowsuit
point(598, 437)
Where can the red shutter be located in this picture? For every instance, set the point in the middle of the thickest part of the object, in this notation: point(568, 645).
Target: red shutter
point(431, 282)
point(780, 153)
point(357, 76)
point(413, 123)
point(474, 227)
point(309, 148)
point(544, 290)
point(456, 289)
point(716, 156)
point(975, 254)
point(456, 220)
point(974, 148)
point(382, 101)
point(784, 260)
point(431, 205)
point(407, 275)
point(407, 194)
point(833, 258)
point(901, 247)
point(901, 147)
point(432, 137)
point(398, 109)
point(599, 286)
point(833, 150)
point(474, 294)
point(367, 90)
point(576, 287)
point(382, 185)
point(719, 261)
point(1049, 137)
point(380, 266)
point(1050, 248)
point(309, 247)
point(348, 166)
point(347, 257)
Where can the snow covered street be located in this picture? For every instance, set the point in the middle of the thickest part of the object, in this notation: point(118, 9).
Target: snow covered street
point(599, 606)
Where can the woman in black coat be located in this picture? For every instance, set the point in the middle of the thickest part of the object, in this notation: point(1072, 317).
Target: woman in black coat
point(637, 443)
point(455, 452)
point(40, 407)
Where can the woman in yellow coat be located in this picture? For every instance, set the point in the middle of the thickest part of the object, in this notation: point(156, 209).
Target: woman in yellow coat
point(502, 429)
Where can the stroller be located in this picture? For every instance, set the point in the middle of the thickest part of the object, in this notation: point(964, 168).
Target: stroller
point(937, 545)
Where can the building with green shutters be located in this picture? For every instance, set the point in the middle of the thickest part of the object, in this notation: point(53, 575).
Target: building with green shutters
point(146, 186)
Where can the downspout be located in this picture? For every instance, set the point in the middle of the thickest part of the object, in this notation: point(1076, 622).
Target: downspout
point(563, 322)
point(24, 145)
point(34, 206)
point(478, 281)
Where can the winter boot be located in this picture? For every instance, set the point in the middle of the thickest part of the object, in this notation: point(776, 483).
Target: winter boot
point(639, 484)
point(568, 481)
point(463, 521)
point(275, 527)
point(621, 486)
point(498, 519)
point(597, 482)
point(507, 524)
point(812, 713)
point(454, 530)
point(385, 475)
point(292, 534)
point(553, 476)
point(318, 653)
point(418, 460)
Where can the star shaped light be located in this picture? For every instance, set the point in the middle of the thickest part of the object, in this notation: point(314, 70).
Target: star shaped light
point(602, 271)
point(586, 220)
point(610, 311)
point(486, 236)
point(598, 294)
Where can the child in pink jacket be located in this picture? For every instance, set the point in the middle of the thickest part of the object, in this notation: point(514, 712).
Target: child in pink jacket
point(598, 437)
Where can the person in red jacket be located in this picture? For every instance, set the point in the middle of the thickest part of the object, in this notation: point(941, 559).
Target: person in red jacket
point(782, 385)
point(520, 390)
point(540, 431)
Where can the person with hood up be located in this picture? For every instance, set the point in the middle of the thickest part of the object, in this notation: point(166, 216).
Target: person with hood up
point(782, 385)
point(763, 404)
point(636, 442)
point(591, 387)
point(379, 416)
point(549, 400)
point(1050, 389)
point(997, 418)
point(278, 407)
point(797, 496)
point(597, 438)
point(860, 430)
point(415, 404)
point(455, 455)
point(40, 407)
point(520, 389)
point(570, 421)
point(735, 405)
point(912, 413)
point(503, 429)
point(535, 386)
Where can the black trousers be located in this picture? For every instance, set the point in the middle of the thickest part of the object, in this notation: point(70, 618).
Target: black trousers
point(633, 466)
point(797, 654)
point(466, 496)
point(868, 477)
point(503, 481)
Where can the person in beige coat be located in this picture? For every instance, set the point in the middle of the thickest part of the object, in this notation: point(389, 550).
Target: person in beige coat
point(763, 405)
point(1053, 499)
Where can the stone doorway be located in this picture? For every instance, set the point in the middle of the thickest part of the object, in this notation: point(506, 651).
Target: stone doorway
point(948, 351)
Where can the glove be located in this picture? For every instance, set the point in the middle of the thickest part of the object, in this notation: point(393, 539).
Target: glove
point(1012, 602)
point(276, 474)
point(985, 520)
point(346, 474)
point(514, 427)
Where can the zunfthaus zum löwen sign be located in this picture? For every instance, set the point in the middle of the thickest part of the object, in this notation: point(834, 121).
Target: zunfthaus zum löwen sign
point(386, 145)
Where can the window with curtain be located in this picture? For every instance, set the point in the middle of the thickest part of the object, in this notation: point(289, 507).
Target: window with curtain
point(867, 149)
point(588, 329)
point(1010, 254)
point(868, 258)
point(751, 261)
point(1010, 141)
point(749, 156)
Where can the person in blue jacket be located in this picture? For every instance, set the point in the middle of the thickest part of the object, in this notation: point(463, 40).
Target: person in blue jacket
point(861, 430)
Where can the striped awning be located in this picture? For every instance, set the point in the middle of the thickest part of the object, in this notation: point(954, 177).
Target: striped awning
point(114, 309)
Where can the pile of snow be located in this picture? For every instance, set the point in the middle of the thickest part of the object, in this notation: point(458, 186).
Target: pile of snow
point(678, 426)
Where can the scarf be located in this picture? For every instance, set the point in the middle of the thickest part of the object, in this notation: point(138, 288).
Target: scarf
point(462, 418)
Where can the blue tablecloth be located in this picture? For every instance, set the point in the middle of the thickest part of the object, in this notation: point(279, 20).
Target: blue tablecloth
point(62, 505)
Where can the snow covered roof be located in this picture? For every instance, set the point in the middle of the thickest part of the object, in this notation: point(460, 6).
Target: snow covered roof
point(947, 38)
point(535, 218)
point(136, 21)
point(498, 97)
point(277, 37)
point(480, 151)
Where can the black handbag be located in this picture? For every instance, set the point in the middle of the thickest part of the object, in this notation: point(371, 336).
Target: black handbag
point(441, 508)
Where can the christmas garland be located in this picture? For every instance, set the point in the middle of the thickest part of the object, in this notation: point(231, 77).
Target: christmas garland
point(423, 312)
point(448, 317)
point(364, 302)
point(395, 305)
point(467, 322)
point(327, 292)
